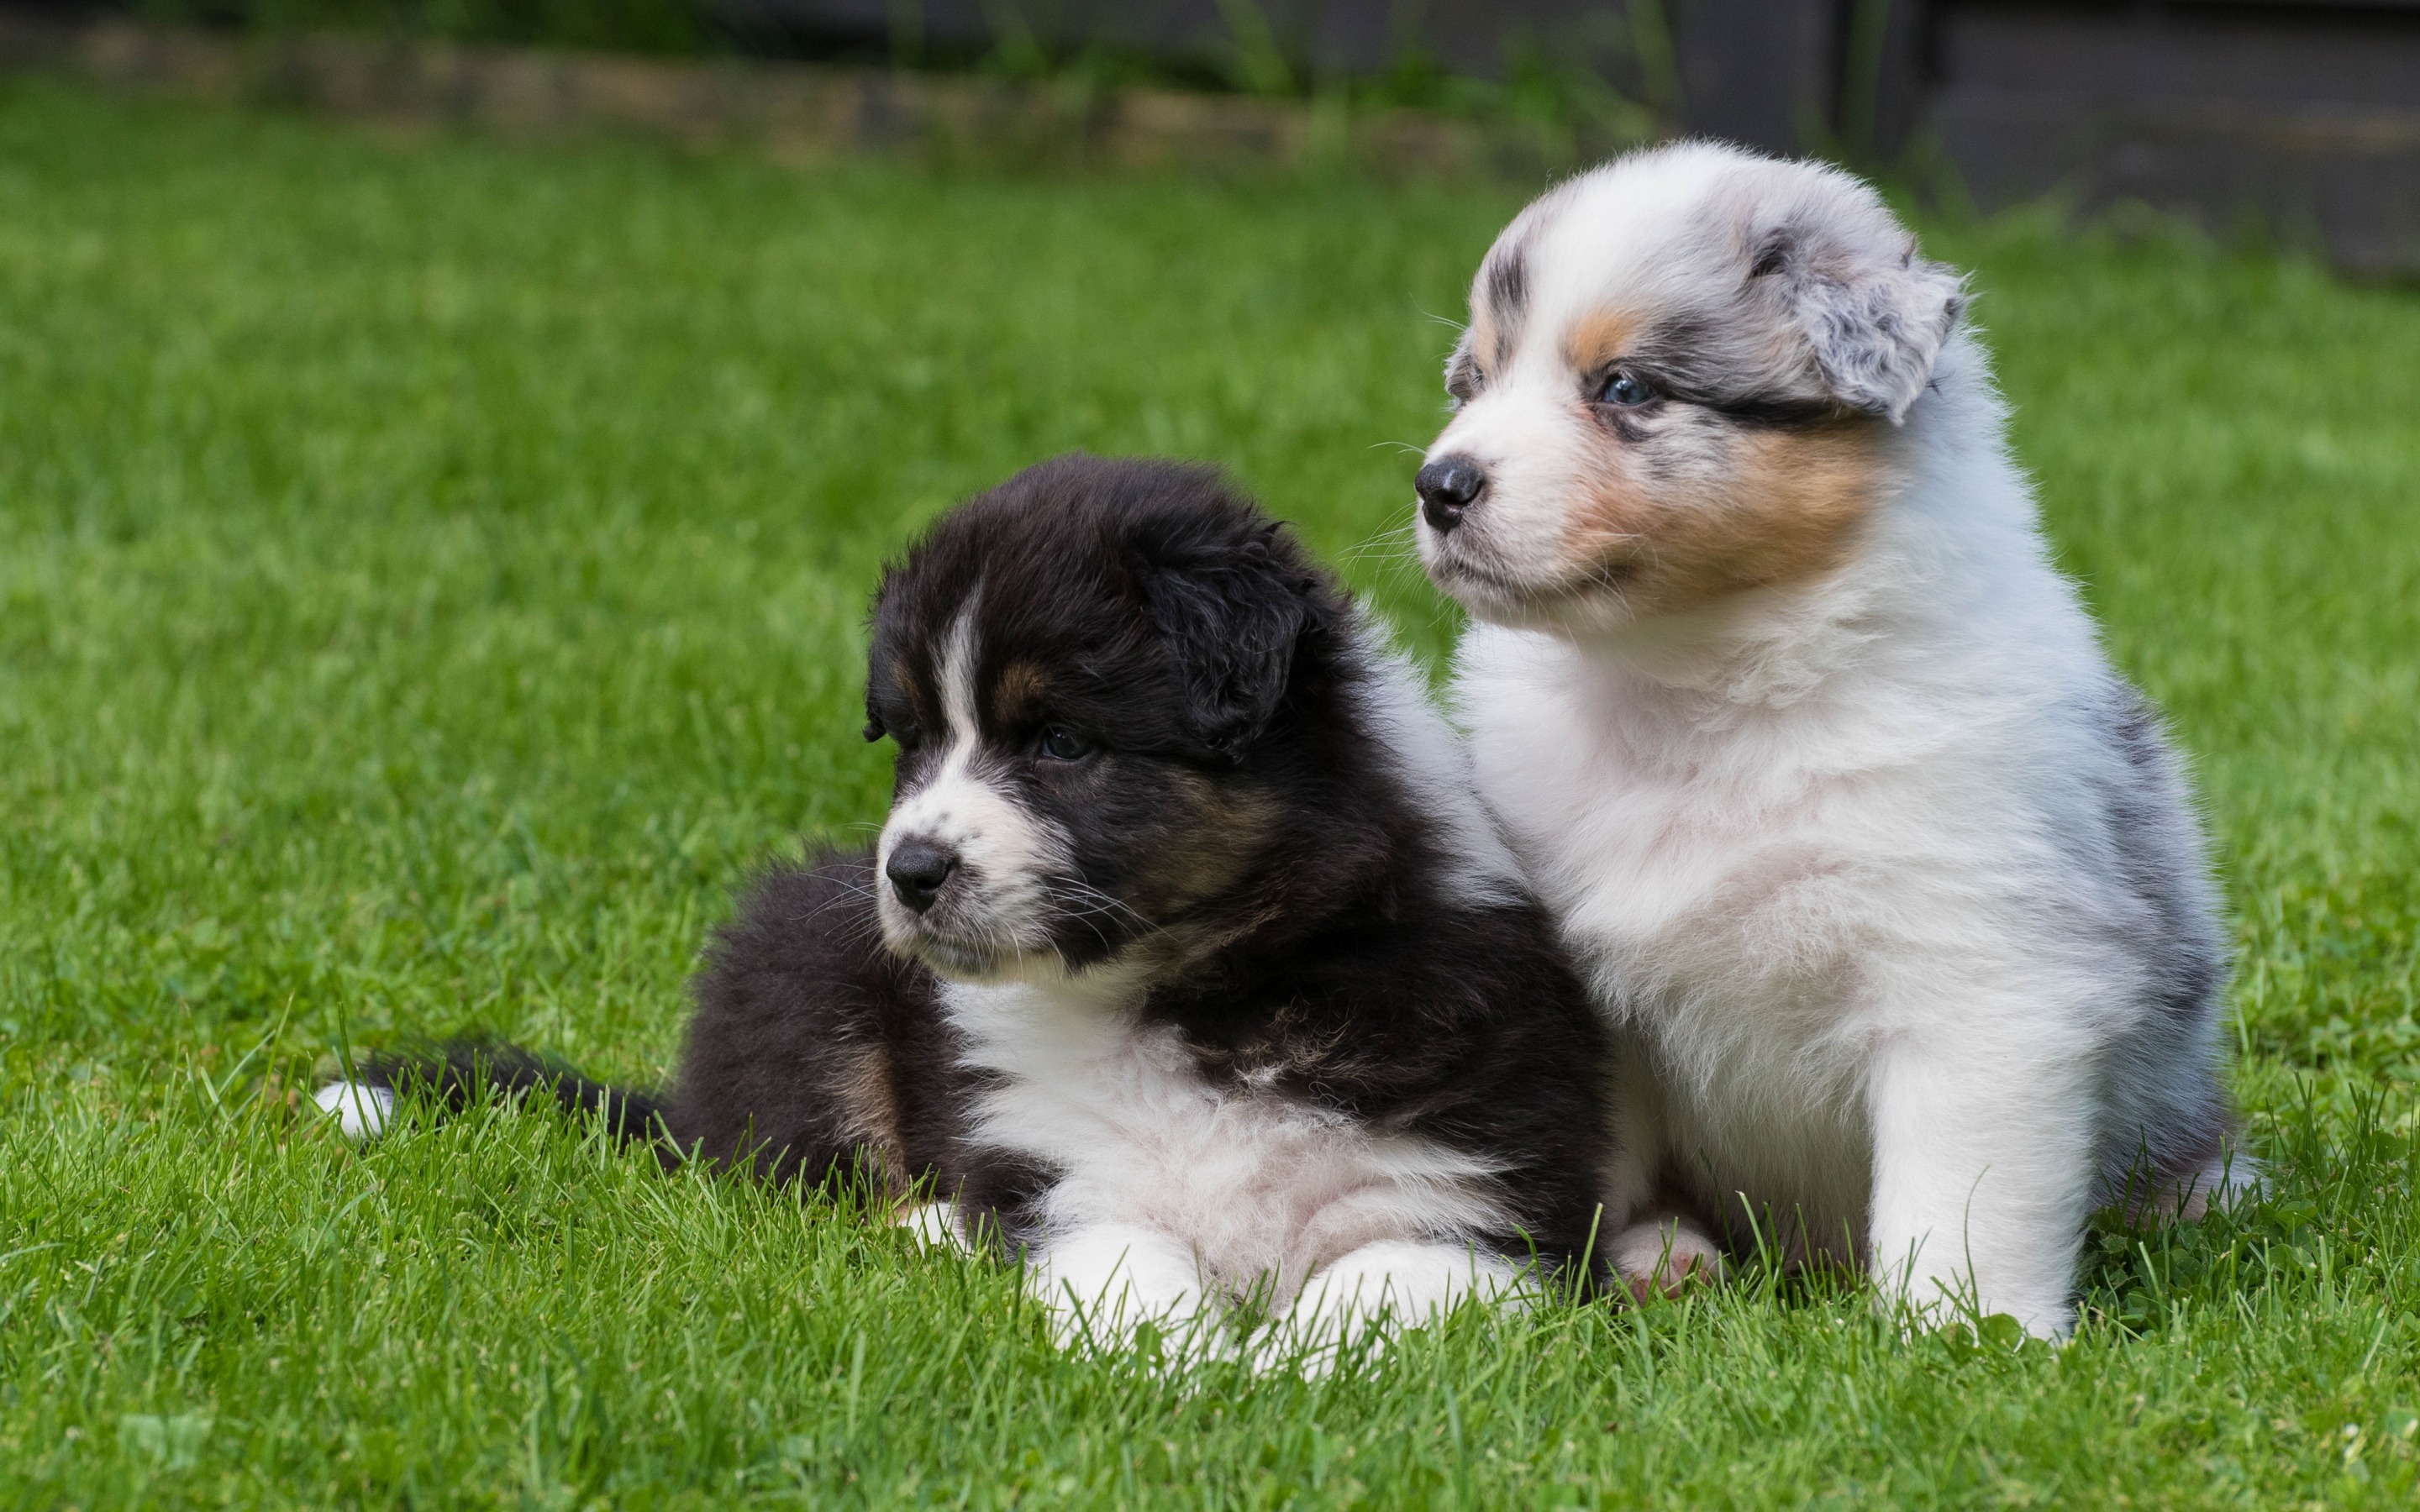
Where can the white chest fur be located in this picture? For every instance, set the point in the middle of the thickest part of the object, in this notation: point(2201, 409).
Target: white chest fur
point(1696, 896)
point(1251, 1183)
point(1772, 886)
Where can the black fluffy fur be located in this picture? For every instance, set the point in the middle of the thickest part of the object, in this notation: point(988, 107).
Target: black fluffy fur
point(1320, 954)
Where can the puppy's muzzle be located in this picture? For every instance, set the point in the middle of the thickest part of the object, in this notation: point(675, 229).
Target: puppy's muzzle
point(919, 871)
point(1447, 487)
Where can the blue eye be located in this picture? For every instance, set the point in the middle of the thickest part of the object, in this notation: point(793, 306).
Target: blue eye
point(1063, 744)
point(1625, 388)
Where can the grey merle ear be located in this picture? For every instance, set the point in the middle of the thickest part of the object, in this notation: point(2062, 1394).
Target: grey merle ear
point(1462, 372)
point(1232, 618)
point(1875, 313)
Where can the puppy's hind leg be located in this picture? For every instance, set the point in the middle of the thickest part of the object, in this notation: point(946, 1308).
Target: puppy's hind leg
point(1651, 1241)
point(1663, 1254)
point(2225, 1180)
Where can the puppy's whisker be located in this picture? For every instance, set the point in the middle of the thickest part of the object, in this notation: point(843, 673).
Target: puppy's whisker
point(1083, 907)
point(851, 892)
point(1397, 545)
point(1099, 903)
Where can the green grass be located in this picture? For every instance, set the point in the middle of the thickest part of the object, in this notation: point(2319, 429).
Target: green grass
point(429, 578)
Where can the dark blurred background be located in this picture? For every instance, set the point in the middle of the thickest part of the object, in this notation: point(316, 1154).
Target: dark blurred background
point(2299, 115)
point(2297, 120)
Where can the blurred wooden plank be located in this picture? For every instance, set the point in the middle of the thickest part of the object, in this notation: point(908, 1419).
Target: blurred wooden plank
point(2302, 118)
point(2305, 124)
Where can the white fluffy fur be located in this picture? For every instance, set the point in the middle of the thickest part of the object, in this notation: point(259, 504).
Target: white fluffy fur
point(1179, 1197)
point(1434, 763)
point(1825, 848)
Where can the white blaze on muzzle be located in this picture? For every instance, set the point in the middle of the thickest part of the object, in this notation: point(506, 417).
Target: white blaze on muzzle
point(1540, 452)
point(998, 899)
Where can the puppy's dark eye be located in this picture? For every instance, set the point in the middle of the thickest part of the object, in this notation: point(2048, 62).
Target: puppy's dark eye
point(1625, 388)
point(1061, 744)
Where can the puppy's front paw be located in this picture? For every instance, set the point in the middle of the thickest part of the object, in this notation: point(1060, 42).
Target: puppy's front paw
point(935, 1226)
point(1665, 1257)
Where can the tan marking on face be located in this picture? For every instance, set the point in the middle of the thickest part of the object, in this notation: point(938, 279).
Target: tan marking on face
point(1750, 510)
point(1213, 836)
point(1597, 338)
point(1017, 695)
point(904, 678)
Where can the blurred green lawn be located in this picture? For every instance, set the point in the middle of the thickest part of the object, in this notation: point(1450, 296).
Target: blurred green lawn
point(430, 573)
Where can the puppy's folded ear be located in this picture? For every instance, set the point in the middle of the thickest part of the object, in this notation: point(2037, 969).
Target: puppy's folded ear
point(1847, 274)
point(1232, 618)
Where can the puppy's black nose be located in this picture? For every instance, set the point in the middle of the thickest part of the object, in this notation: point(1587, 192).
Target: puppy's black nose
point(1448, 487)
point(917, 871)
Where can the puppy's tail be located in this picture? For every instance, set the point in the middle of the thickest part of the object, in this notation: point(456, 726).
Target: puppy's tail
point(455, 1073)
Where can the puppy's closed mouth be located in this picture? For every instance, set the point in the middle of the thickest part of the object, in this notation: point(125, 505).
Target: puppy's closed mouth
point(1602, 576)
point(956, 958)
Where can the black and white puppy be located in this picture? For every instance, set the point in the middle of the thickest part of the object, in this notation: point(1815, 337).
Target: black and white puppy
point(1186, 964)
point(1891, 886)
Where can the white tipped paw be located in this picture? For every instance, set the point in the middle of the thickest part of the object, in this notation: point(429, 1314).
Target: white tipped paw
point(362, 1113)
point(935, 1226)
point(1376, 1292)
point(1665, 1257)
point(1106, 1284)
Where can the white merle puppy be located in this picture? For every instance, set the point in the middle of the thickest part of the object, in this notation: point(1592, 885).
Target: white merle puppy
point(1188, 962)
point(1890, 885)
